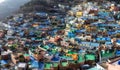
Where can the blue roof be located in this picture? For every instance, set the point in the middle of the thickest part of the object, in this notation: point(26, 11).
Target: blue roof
point(41, 14)
point(94, 44)
point(96, 23)
point(78, 31)
point(36, 64)
point(117, 31)
point(84, 18)
point(3, 62)
point(118, 41)
point(47, 22)
point(118, 52)
point(33, 38)
point(85, 42)
point(119, 62)
point(91, 44)
point(55, 59)
point(107, 39)
point(110, 32)
point(110, 19)
point(108, 43)
point(113, 25)
point(104, 13)
point(103, 39)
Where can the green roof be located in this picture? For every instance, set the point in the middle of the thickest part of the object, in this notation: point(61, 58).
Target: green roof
point(48, 65)
point(26, 55)
point(90, 57)
point(64, 64)
point(55, 64)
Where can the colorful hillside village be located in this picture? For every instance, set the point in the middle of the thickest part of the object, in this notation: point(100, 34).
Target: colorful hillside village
point(87, 37)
